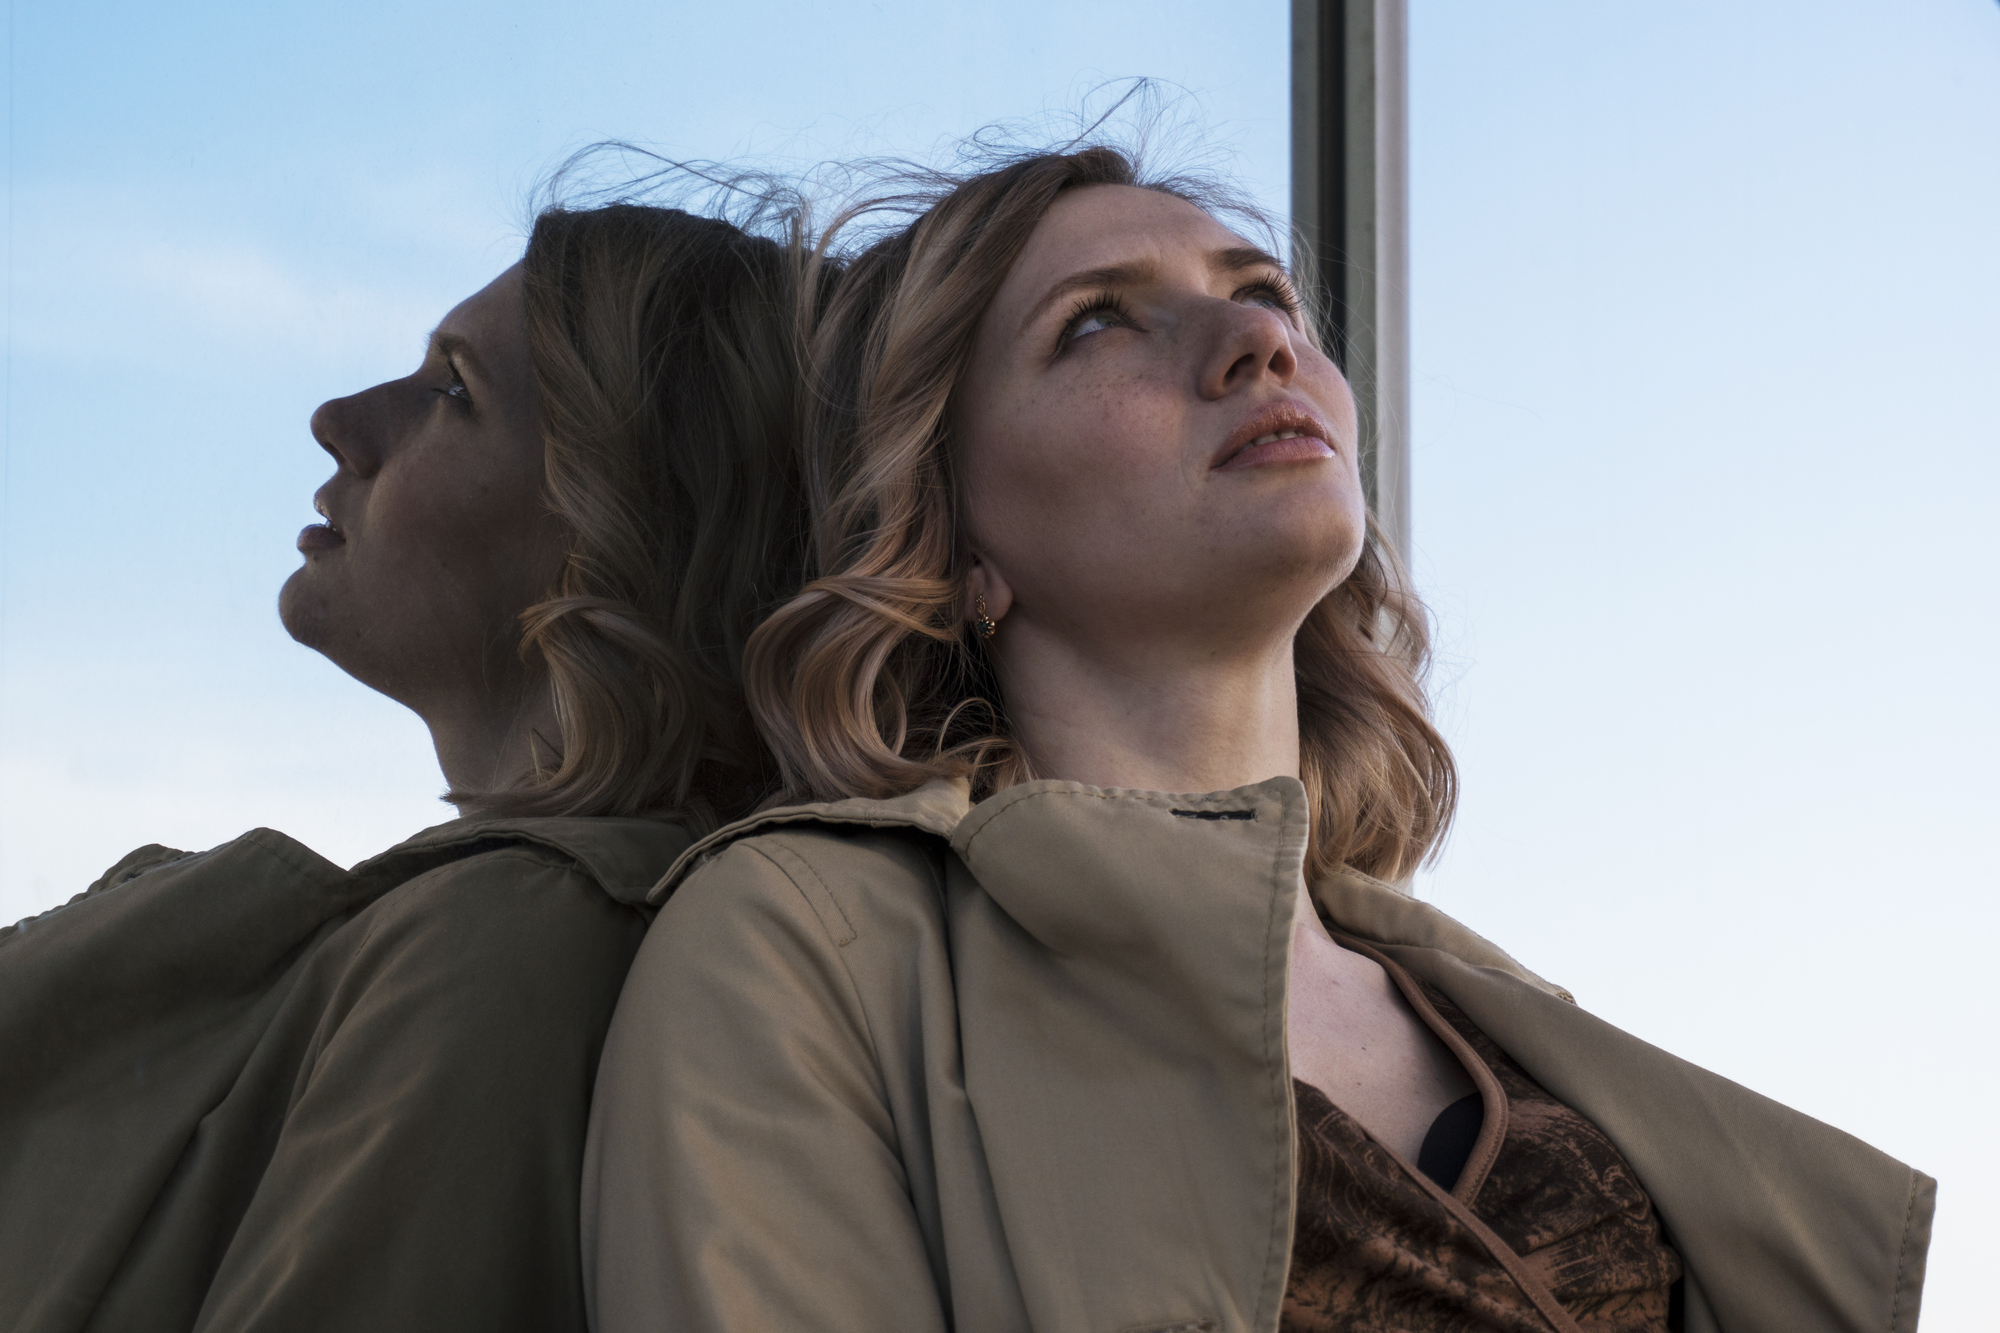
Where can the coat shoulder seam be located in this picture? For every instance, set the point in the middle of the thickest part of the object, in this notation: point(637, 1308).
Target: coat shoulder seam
point(810, 885)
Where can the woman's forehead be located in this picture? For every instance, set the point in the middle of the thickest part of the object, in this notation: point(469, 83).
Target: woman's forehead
point(498, 303)
point(1107, 223)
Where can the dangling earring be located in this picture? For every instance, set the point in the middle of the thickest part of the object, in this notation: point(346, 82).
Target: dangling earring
point(981, 621)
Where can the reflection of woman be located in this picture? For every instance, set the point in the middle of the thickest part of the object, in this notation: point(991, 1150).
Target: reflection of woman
point(1143, 1039)
point(247, 1089)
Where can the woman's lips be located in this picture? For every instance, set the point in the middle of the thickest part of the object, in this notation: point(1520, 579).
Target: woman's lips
point(1289, 448)
point(1286, 431)
point(320, 537)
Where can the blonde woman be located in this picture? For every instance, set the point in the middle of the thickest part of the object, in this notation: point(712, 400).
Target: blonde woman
point(1070, 986)
point(248, 1089)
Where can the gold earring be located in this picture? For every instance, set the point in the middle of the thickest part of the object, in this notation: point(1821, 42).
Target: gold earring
point(981, 621)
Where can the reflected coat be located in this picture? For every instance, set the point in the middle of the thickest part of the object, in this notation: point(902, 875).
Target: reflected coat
point(246, 1089)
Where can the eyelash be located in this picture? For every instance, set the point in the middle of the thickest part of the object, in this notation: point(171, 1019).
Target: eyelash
point(456, 390)
point(1086, 306)
point(1278, 289)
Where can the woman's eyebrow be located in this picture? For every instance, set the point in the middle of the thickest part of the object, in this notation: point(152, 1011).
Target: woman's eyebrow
point(1111, 275)
point(1237, 258)
point(1232, 259)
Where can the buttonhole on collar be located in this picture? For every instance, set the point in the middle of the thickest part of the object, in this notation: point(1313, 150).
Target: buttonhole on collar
point(1216, 814)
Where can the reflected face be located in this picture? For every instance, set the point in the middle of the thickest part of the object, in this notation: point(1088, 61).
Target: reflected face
point(436, 535)
point(1147, 431)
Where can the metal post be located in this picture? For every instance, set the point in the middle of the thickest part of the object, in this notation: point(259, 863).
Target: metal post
point(1350, 212)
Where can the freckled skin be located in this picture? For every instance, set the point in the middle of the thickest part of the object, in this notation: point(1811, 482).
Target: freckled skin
point(1147, 600)
point(1090, 480)
point(437, 492)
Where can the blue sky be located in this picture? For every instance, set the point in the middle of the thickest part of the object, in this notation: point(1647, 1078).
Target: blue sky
point(1706, 412)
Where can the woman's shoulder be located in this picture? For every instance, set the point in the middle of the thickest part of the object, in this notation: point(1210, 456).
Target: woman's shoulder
point(936, 809)
point(500, 942)
point(471, 902)
point(855, 882)
point(475, 887)
point(624, 857)
point(793, 947)
point(851, 862)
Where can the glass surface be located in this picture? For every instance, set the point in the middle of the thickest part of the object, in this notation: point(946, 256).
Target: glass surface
point(1705, 421)
point(224, 214)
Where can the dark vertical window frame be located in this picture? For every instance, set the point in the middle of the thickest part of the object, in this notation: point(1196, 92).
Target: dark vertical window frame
point(1350, 214)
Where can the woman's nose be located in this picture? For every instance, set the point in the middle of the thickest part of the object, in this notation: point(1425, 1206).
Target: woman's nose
point(347, 429)
point(1252, 342)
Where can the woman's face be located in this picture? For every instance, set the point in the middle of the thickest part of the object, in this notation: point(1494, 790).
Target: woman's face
point(1149, 439)
point(436, 535)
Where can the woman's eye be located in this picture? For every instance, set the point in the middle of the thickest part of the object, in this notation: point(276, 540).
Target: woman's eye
point(1094, 314)
point(456, 388)
point(1272, 295)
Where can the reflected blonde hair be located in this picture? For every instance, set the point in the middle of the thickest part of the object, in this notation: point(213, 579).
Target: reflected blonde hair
point(666, 349)
point(868, 683)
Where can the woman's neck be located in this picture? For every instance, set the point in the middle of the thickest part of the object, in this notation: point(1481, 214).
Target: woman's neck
point(489, 744)
point(1172, 716)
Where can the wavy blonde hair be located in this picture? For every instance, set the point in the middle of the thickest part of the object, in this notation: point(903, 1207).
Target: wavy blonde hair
point(666, 349)
point(868, 683)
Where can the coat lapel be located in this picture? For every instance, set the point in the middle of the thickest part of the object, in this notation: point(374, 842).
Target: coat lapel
point(1785, 1222)
point(1119, 961)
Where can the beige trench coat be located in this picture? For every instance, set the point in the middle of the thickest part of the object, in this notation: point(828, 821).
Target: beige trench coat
point(887, 1065)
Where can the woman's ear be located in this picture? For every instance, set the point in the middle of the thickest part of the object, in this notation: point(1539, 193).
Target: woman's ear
point(987, 582)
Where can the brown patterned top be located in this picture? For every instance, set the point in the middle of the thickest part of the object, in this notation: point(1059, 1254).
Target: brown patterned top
point(1546, 1226)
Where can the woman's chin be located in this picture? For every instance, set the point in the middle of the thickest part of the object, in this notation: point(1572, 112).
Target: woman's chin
point(301, 609)
point(1306, 531)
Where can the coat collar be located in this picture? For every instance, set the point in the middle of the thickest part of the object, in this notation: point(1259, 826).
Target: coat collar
point(1369, 909)
point(623, 855)
point(1092, 832)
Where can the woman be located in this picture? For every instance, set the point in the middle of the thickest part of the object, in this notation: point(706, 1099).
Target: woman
point(247, 1089)
point(990, 1026)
